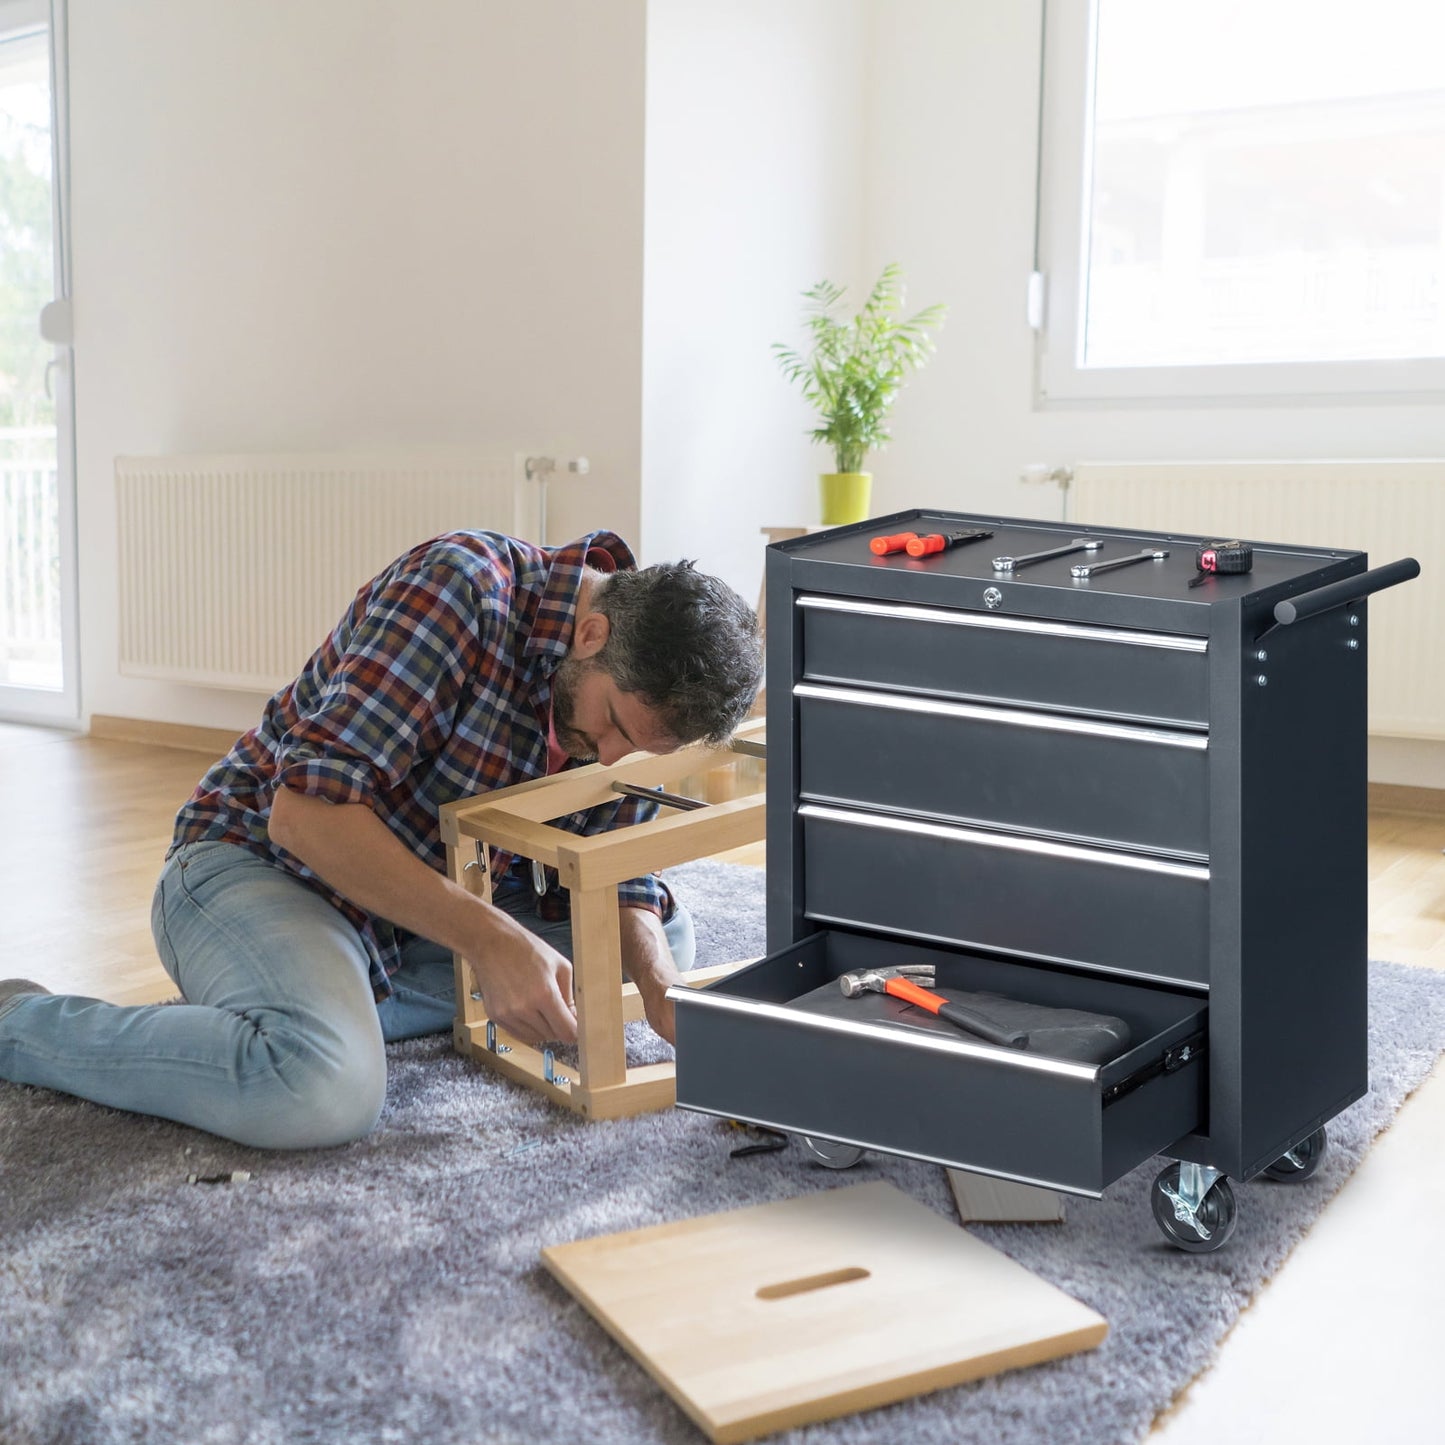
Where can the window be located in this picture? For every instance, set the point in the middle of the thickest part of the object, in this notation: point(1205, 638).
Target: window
point(1243, 198)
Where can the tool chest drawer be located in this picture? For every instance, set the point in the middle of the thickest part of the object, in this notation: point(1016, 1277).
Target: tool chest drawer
point(1030, 771)
point(778, 1044)
point(1103, 909)
point(1111, 672)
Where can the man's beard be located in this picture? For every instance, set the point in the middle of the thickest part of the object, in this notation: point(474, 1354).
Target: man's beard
point(565, 682)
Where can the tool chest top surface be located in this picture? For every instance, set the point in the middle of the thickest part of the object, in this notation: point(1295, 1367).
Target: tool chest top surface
point(1146, 592)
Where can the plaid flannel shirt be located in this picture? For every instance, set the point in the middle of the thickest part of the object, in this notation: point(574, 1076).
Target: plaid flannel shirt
point(436, 685)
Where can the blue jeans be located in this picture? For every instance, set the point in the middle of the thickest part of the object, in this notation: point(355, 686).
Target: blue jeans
point(280, 1043)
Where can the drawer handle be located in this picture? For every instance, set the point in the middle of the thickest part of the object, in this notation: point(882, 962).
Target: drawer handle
point(1079, 544)
point(992, 622)
point(955, 1045)
point(1002, 716)
point(1011, 841)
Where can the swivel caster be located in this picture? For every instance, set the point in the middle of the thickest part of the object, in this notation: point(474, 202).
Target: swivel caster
point(1300, 1162)
point(1194, 1207)
point(829, 1154)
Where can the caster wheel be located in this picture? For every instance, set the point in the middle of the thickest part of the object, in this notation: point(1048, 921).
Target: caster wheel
point(1299, 1162)
point(831, 1155)
point(1209, 1225)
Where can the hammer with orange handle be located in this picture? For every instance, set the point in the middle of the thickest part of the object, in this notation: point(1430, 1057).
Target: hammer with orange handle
point(905, 983)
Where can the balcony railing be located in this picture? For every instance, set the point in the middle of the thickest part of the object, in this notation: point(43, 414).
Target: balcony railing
point(29, 559)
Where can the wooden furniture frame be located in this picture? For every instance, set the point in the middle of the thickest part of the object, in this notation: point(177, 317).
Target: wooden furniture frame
point(519, 820)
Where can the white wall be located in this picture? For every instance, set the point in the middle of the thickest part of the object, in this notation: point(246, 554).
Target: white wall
point(345, 224)
point(951, 188)
point(356, 223)
point(756, 119)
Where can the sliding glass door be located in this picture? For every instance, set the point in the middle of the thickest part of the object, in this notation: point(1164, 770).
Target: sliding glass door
point(37, 605)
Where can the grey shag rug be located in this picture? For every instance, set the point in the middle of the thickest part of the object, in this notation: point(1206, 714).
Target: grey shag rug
point(391, 1290)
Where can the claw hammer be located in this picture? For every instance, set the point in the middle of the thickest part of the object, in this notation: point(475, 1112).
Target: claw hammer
point(906, 984)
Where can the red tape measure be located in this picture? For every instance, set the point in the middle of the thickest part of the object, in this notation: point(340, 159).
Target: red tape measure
point(1227, 559)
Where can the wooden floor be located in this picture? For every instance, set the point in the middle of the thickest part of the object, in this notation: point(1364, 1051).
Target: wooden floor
point(85, 823)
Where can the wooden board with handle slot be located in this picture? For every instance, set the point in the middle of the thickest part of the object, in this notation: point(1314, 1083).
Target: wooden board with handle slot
point(782, 1314)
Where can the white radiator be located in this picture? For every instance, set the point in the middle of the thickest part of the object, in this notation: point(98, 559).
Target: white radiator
point(1388, 509)
point(233, 569)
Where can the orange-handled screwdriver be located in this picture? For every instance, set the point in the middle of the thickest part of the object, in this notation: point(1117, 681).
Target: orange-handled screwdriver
point(882, 546)
point(956, 1013)
point(942, 541)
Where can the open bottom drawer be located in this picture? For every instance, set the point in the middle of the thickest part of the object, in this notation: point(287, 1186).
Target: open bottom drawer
point(754, 1046)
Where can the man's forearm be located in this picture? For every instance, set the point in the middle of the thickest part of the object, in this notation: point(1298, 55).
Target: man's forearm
point(648, 962)
point(351, 849)
point(646, 956)
point(526, 984)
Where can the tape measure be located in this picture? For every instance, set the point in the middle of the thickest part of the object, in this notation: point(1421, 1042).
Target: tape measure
point(1228, 559)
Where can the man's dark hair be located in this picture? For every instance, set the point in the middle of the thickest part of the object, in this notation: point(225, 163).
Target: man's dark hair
point(685, 643)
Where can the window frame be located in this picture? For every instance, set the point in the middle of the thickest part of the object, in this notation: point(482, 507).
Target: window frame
point(1061, 261)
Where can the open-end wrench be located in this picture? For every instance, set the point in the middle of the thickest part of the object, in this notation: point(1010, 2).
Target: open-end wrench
point(1079, 544)
point(1086, 570)
point(905, 984)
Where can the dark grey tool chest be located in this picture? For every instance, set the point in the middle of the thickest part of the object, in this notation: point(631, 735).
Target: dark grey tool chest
point(1113, 792)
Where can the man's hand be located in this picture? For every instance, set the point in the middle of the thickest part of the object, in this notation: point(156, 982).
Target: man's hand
point(526, 985)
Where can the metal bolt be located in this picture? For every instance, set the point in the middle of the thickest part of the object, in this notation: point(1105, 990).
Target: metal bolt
point(992, 597)
point(1354, 619)
point(1262, 680)
point(1261, 656)
point(1353, 644)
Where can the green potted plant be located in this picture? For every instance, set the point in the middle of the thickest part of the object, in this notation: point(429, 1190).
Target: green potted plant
point(852, 374)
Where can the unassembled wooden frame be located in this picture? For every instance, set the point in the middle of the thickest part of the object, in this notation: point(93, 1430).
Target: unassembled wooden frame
point(518, 820)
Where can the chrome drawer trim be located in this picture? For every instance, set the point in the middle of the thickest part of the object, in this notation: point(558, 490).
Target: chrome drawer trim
point(1079, 632)
point(908, 1038)
point(1011, 717)
point(1010, 841)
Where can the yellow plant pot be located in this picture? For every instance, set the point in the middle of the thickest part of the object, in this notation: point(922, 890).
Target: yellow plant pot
point(845, 496)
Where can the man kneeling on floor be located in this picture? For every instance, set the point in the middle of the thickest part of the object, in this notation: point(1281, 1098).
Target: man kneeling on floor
point(304, 910)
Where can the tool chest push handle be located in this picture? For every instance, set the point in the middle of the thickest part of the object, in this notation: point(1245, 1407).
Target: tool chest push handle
point(1351, 589)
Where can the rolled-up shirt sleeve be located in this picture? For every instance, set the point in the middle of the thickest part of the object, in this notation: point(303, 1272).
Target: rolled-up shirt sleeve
point(649, 891)
point(386, 696)
point(307, 767)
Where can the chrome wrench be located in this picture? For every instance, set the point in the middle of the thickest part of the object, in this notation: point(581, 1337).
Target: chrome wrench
point(1079, 544)
point(1149, 554)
